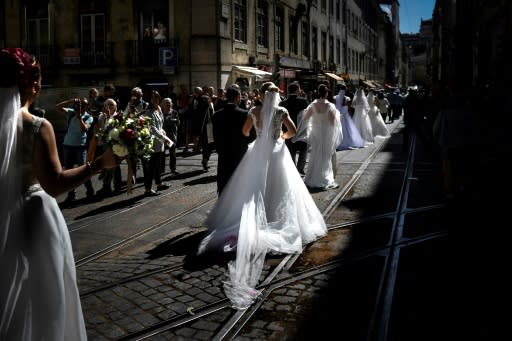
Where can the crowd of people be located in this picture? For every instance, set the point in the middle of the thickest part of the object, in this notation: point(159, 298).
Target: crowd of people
point(187, 120)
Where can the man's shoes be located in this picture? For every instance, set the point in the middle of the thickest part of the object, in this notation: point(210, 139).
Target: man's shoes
point(162, 186)
point(174, 171)
point(70, 198)
point(89, 193)
point(205, 165)
point(150, 193)
point(105, 190)
point(301, 172)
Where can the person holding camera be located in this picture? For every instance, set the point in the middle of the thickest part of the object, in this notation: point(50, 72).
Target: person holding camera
point(74, 147)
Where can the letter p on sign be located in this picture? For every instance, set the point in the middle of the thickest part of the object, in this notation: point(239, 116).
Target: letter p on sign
point(168, 56)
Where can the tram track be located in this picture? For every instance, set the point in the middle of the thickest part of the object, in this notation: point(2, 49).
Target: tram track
point(83, 224)
point(379, 324)
point(174, 267)
point(143, 231)
point(239, 318)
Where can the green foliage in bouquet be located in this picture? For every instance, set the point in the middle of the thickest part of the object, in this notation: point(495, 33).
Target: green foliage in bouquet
point(128, 135)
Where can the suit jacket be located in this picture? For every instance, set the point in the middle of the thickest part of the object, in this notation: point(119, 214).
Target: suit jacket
point(230, 143)
point(294, 104)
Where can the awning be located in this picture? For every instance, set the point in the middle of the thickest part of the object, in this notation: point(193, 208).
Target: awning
point(368, 83)
point(377, 85)
point(333, 76)
point(252, 71)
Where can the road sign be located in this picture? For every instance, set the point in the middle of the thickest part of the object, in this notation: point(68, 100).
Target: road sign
point(168, 56)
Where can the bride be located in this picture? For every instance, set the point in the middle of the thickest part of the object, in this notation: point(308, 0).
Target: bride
point(39, 298)
point(265, 206)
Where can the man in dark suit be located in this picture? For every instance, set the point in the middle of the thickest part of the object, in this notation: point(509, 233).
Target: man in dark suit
point(295, 104)
point(194, 116)
point(230, 143)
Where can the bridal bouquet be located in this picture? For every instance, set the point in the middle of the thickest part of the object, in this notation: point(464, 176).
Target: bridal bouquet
point(128, 135)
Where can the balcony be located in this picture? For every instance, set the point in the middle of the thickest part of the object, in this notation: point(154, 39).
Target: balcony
point(52, 57)
point(146, 54)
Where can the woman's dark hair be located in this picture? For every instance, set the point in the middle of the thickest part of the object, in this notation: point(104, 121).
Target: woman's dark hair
point(155, 94)
point(322, 90)
point(18, 68)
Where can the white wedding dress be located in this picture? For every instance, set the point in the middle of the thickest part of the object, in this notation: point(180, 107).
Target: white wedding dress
point(39, 294)
point(324, 135)
point(265, 206)
point(361, 118)
point(379, 128)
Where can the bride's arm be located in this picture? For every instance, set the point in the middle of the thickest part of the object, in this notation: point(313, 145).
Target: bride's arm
point(48, 169)
point(248, 124)
point(290, 126)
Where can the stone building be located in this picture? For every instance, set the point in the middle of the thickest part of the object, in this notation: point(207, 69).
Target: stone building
point(418, 51)
point(206, 42)
point(471, 49)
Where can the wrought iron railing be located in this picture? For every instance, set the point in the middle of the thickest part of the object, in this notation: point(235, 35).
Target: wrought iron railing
point(45, 54)
point(101, 55)
point(96, 54)
point(141, 53)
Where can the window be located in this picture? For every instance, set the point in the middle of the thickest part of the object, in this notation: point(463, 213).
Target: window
point(338, 50)
point(345, 56)
point(262, 23)
point(324, 46)
point(293, 35)
point(337, 10)
point(314, 42)
point(305, 39)
point(37, 32)
point(331, 49)
point(93, 44)
point(323, 6)
point(240, 20)
point(37, 35)
point(353, 61)
point(279, 34)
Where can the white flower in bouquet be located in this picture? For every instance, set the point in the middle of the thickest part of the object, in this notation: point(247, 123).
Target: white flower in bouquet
point(120, 150)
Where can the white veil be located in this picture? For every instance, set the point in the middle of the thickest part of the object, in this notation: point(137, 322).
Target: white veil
point(371, 99)
point(253, 239)
point(360, 100)
point(339, 100)
point(13, 264)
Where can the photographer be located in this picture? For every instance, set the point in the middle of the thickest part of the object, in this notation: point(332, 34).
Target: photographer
point(136, 103)
point(74, 147)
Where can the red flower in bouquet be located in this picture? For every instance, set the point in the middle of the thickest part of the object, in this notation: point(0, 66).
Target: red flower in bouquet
point(128, 135)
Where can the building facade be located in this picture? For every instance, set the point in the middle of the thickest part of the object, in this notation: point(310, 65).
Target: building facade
point(471, 50)
point(417, 51)
point(205, 42)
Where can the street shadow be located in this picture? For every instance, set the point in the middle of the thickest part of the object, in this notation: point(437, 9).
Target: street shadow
point(181, 176)
point(112, 207)
point(203, 180)
point(187, 246)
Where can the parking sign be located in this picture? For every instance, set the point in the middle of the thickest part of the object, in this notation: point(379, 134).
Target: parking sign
point(168, 56)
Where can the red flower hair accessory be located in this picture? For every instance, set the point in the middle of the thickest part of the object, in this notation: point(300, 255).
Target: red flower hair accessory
point(21, 67)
